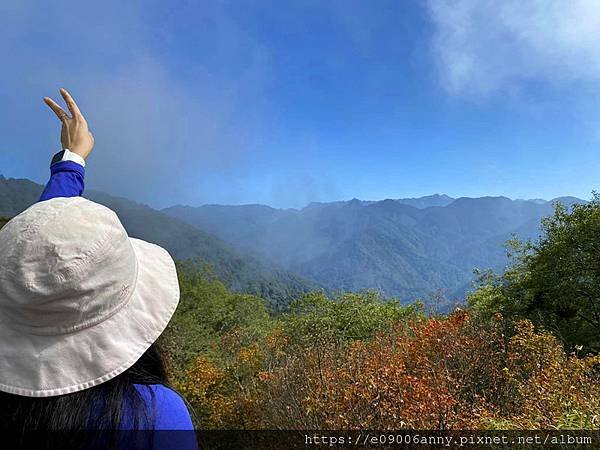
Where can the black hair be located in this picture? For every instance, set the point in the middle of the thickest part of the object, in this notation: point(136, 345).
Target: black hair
point(93, 414)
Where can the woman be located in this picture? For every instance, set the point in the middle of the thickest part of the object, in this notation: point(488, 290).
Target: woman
point(81, 307)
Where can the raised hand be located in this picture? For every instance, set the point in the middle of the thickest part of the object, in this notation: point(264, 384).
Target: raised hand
point(74, 134)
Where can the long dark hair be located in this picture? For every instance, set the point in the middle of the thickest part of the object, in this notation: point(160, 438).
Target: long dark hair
point(101, 409)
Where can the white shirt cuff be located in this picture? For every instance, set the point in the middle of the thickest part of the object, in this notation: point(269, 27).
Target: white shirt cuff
point(70, 156)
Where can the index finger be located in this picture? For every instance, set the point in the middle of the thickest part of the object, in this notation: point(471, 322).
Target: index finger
point(71, 104)
point(60, 113)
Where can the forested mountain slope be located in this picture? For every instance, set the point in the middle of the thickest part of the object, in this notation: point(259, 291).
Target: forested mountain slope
point(238, 271)
point(407, 248)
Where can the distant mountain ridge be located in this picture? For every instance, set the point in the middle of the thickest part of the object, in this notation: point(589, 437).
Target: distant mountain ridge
point(427, 201)
point(408, 248)
point(238, 271)
point(404, 247)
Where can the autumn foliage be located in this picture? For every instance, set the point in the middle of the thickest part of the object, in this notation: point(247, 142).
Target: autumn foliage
point(440, 373)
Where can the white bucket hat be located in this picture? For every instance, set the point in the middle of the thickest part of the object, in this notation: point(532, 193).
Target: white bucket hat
point(80, 301)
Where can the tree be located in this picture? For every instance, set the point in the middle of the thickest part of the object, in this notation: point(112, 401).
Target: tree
point(554, 281)
point(349, 316)
point(208, 311)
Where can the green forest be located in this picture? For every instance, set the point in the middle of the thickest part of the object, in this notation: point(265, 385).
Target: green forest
point(521, 353)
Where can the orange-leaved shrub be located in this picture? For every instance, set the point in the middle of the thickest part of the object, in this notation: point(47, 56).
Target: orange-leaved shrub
point(555, 390)
point(224, 394)
point(446, 373)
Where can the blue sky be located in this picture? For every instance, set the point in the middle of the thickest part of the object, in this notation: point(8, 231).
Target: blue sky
point(284, 103)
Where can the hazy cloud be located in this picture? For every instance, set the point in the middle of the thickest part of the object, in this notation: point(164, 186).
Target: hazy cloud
point(486, 46)
point(159, 119)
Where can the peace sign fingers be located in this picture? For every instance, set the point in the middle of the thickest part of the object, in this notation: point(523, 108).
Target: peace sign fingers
point(74, 134)
point(60, 113)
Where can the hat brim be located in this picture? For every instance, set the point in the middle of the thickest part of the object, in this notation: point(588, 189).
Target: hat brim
point(46, 366)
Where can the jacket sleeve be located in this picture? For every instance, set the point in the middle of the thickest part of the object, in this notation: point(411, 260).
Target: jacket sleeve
point(66, 180)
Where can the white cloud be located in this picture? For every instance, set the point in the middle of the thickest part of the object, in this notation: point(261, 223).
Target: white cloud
point(488, 46)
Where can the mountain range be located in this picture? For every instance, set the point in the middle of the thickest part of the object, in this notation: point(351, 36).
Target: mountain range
point(406, 248)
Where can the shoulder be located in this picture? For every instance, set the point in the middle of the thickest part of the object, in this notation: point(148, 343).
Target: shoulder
point(171, 412)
